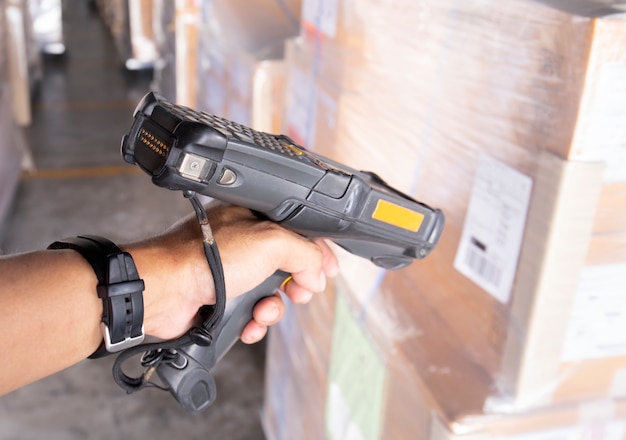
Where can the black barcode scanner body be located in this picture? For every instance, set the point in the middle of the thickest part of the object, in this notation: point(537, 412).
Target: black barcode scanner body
point(189, 150)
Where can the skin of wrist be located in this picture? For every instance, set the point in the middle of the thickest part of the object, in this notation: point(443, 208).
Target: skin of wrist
point(176, 286)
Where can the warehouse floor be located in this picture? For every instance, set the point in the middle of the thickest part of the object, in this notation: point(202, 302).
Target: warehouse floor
point(81, 185)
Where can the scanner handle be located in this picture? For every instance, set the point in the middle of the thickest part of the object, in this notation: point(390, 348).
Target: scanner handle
point(189, 378)
point(239, 312)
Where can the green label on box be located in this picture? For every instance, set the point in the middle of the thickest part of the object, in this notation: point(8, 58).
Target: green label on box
point(356, 379)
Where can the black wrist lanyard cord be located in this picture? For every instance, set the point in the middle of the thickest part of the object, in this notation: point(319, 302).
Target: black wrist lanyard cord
point(158, 352)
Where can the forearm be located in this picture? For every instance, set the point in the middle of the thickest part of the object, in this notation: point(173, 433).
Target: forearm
point(50, 312)
point(49, 315)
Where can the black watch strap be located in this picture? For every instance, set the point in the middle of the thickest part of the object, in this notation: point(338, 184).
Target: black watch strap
point(119, 287)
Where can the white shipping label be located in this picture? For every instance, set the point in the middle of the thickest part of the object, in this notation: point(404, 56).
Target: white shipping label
point(494, 226)
point(597, 325)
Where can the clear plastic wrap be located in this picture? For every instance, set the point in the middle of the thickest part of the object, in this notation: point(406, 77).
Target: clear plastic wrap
point(241, 73)
point(226, 57)
point(507, 117)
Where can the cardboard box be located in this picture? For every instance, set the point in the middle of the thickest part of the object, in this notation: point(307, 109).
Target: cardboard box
point(296, 376)
point(164, 29)
point(547, 71)
point(350, 381)
point(132, 26)
point(187, 21)
point(12, 146)
point(143, 51)
point(312, 101)
point(241, 72)
point(482, 113)
point(252, 95)
point(23, 58)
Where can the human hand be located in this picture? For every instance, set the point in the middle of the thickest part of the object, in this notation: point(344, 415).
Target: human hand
point(178, 280)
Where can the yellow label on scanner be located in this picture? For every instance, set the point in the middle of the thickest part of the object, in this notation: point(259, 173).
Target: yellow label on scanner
point(397, 215)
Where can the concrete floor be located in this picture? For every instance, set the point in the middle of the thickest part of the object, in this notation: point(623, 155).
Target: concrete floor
point(81, 185)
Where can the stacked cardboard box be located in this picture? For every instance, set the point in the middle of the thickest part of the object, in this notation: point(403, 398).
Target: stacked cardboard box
point(507, 117)
point(12, 148)
point(23, 58)
point(48, 25)
point(187, 22)
point(164, 26)
point(342, 381)
point(299, 350)
point(11, 141)
point(240, 60)
point(225, 57)
point(131, 25)
point(141, 33)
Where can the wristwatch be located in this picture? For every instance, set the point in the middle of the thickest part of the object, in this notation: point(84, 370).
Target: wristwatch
point(119, 287)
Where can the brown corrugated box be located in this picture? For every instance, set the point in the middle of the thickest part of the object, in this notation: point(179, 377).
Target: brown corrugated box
point(511, 82)
point(541, 72)
point(412, 411)
point(299, 403)
point(297, 375)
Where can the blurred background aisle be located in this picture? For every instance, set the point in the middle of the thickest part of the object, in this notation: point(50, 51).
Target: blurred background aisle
point(507, 115)
point(78, 183)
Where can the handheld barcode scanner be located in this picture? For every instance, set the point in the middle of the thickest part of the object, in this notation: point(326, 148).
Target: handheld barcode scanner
point(196, 152)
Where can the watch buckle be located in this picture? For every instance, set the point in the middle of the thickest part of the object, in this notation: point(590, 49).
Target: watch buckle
point(128, 342)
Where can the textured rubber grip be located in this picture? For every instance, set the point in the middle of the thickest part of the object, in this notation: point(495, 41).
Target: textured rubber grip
point(190, 382)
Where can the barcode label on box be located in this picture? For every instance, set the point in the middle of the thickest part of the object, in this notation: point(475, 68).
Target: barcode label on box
point(494, 226)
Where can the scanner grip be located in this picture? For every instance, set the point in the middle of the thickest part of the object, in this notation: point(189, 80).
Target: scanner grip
point(239, 312)
point(189, 378)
